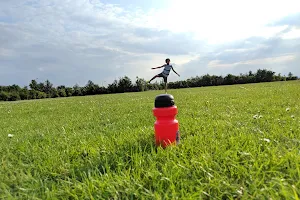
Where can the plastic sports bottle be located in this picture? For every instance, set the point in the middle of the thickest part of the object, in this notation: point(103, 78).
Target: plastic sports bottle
point(166, 126)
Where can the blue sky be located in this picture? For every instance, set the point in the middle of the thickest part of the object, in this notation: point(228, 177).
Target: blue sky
point(72, 41)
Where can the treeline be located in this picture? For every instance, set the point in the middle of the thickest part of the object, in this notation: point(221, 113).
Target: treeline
point(230, 79)
point(47, 90)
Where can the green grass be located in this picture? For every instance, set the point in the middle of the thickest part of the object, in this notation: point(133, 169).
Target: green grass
point(237, 141)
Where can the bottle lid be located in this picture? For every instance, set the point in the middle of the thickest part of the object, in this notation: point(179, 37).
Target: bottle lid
point(164, 100)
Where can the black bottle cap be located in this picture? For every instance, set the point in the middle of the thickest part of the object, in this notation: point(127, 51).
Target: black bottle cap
point(164, 100)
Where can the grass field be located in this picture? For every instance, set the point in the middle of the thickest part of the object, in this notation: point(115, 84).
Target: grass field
point(238, 141)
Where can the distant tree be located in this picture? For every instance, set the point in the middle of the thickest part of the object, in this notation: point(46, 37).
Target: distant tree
point(284, 78)
point(77, 90)
point(250, 73)
point(220, 80)
point(259, 75)
point(69, 91)
point(155, 86)
point(48, 89)
point(264, 75)
point(90, 88)
point(62, 92)
point(83, 91)
point(33, 94)
point(61, 87)
point(41, 95)
point(124, 84)
point(269, 76)
point(101, 90)
point(41, 87)
point(213, 79)
point(14, 88)
point(33, 85)
point(24, 93)
point(251, 79)
point(53, 93)
point(4, 96)
point(241, 79)
point(291, 76)
point(278, 77)
point(141, 84)
point(113, 87)
point(13, 96)
point(229, 79)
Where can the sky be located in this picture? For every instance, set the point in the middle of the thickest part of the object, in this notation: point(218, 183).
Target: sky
point(72, 41)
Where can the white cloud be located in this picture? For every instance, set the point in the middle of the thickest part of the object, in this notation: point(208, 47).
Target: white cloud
point(261, 62)
point(277, 54)
point(293, 34)
point(223, 21)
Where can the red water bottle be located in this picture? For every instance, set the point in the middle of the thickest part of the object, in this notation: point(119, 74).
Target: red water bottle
point(166, 126)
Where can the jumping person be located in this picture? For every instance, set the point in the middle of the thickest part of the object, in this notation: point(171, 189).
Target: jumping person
point(165, 73)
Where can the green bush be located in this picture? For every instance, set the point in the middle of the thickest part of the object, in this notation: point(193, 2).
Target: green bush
point(33, 94)
point(3, 96)
point(62, 93)
point(41, 95)
point(24, 94)
point(13, 96)
point(54, 93)
point(69, 91)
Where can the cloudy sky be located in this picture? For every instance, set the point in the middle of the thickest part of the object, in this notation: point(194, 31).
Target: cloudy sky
point(73, 41)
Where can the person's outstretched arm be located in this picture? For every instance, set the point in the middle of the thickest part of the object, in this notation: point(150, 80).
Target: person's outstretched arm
point(157, 67)
point(175, 71)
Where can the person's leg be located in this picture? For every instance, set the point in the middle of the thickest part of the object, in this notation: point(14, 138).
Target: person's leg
point(166, 88)
point(166, 84)
point(154, 77)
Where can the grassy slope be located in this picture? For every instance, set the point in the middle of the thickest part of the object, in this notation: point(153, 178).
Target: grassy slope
point(101, 146)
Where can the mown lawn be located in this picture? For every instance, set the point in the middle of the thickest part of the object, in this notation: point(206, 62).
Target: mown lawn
point(238, 141)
